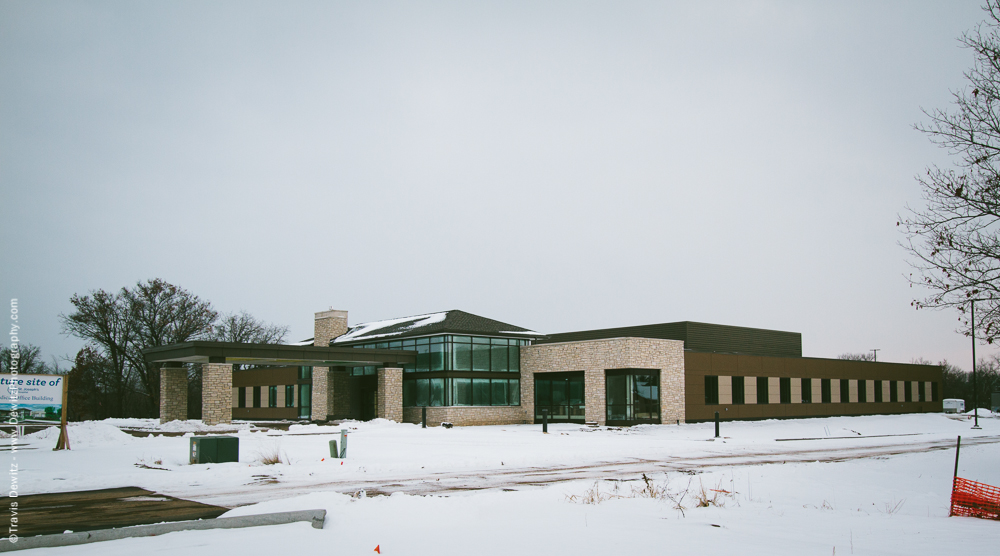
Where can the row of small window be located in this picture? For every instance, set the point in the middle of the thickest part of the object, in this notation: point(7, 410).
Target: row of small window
point(457, 353)
point(911, 390)
point(433, 392)
point(272, 395)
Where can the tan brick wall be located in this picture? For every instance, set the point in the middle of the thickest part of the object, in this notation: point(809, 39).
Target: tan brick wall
point(469, 415)
point(216, 393)
point(594, 357)
point(173, 394)
point(390, 393)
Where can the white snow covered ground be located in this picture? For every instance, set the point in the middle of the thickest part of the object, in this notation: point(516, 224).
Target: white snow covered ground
point(861, 485)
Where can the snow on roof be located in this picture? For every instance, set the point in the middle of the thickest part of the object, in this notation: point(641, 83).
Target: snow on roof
point(366, 329)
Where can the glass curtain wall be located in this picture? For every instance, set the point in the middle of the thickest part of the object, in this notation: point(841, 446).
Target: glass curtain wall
point(451, 358)
point(633, 396)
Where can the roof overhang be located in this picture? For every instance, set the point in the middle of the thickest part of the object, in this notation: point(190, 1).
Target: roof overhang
point(277, 355)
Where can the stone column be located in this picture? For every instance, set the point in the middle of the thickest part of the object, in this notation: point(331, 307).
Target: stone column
point(216, 393)
point(327, 326)
point(390, 394)
point(594, 391)
point(173, 394)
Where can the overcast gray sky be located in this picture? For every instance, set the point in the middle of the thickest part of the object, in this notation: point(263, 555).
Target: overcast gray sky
point(555, 165)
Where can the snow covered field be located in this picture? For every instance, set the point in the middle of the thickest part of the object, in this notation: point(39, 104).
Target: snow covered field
point(861, 485)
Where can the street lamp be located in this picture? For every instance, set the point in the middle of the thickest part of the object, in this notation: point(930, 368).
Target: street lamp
point(975, 386)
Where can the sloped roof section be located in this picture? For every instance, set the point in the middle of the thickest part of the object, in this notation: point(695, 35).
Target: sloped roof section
point(452, 322)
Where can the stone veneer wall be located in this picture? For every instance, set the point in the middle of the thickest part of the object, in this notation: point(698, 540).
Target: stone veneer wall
point(468, 415)
point(327, 326)
point(594, 357)
point(173, 394)
point(216, 393)
point(390, 394)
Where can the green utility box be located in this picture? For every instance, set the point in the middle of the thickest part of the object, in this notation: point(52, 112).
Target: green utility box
point(215, 449)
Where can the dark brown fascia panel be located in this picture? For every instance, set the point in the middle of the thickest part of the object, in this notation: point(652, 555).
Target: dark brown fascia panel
point(272, 354)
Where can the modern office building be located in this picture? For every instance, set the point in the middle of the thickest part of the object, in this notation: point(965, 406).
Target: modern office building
point(465, 369)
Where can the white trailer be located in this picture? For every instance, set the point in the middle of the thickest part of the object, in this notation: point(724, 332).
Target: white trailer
point(952, 405)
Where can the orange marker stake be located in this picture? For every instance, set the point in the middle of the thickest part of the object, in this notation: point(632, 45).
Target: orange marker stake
point(376, 548)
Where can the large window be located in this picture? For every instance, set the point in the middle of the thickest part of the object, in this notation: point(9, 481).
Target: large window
point(711, 390)
point(878, 391)
point(862, 391)
point(434, 392)
point(908, 391)
point(272, 396)
point(739, 391)
point(826, 391)
point(763, 396)
point(807, 390)
point(785, 390)
point(560, 395)
point(256, 396)
point(893, 391)
point(845, 391)
point(633, 396)
point(305, 400)
point(457, 353)
point(289, 395)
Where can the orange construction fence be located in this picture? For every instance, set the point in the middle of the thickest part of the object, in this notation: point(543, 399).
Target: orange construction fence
point(972, 499)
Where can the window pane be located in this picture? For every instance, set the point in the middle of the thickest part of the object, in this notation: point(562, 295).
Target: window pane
point(290, 395)
point(575, 391)
point(560, 388)
point(242, 397)
point(423, 357)
point(408, 344)
point(463, 356)
point(711, 390)
point(480, 357)
point(461, 391)
point(845, 391)
point(480, 340)
point(396, 345)
point(382, 345)
point(785, 390)
point(515, 391)
point(543, 392)
point(514, 358)
point(807, 390)
point(499, 389)
point(762, 390)
point(423, 392)
point(617, 386)
point(498, 359)
point(437, 392)
point(437, 357)
point(739, 390)
point(481, 391)
point(272, 396)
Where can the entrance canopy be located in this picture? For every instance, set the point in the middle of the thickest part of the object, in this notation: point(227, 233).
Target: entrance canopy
point(277, 355)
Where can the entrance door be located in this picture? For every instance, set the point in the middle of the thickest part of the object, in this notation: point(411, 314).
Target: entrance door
point(366, 398)
point(562, 395)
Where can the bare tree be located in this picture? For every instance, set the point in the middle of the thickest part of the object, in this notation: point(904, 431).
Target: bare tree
point(954, 239)
point(243, 328)
point(122, 324)
point(29, 361)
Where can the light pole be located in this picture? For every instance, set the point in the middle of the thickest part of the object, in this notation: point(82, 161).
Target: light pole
point(975, 385)
point(875, 354)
